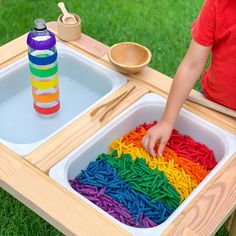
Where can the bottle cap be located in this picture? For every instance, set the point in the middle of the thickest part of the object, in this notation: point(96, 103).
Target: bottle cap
point(40, 24)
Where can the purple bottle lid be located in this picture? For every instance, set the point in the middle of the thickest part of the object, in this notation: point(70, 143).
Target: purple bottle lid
point(41, 38)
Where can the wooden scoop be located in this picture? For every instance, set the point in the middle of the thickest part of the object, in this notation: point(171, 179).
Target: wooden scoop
point(67, 18)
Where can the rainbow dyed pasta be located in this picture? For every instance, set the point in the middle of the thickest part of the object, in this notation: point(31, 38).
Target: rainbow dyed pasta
point(138, 189)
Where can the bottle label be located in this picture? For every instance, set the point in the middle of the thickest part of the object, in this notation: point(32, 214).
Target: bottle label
point(45, 97)
point(42, 61)
point(40, 72)
point(47, 110)
point(44, 84)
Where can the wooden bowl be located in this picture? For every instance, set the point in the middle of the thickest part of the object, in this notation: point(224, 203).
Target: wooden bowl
point(129, 57)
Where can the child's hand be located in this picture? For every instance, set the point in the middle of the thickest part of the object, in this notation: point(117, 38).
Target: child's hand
point(161, 132)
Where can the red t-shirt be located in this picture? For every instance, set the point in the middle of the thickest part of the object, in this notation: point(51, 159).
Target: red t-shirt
point(216, 26)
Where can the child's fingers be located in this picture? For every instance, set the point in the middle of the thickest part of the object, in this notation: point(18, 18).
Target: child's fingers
point(161, 147)
point(145, 141)
point(151, 145)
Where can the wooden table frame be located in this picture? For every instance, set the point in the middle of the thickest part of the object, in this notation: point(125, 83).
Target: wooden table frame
point(27, 179)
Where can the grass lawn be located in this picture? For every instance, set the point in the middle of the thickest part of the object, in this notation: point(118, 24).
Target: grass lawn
point(161, 25)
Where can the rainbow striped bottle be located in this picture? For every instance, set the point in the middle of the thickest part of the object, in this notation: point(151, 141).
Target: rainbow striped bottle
point(43, 66)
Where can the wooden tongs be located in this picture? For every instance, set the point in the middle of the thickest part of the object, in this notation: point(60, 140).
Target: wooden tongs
point(113, 103)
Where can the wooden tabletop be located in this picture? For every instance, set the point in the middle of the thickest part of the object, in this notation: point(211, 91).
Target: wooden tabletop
point(202, 216)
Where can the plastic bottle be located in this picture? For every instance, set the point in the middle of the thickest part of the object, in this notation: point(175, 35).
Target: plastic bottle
point(43, 66)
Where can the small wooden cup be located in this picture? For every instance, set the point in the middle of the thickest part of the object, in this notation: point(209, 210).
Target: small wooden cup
point(129, 57)
point(69, 32)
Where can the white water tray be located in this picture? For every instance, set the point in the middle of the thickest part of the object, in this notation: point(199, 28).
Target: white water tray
point(82, 81)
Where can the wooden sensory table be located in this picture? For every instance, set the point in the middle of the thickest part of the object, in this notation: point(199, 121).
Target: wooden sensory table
point(28, 181)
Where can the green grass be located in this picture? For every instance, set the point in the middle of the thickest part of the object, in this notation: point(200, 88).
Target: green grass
point(161, 25)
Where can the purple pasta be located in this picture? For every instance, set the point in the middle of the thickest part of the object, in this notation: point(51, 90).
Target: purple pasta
point(109, 205)
point(139, 206)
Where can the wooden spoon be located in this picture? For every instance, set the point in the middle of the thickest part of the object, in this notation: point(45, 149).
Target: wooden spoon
point(67, 18)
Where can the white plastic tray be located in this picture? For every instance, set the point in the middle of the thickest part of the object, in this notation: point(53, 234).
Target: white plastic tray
point(82, 81)
point(148, 108)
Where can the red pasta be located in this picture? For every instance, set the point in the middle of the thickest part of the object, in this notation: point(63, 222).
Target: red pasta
point(184, 146)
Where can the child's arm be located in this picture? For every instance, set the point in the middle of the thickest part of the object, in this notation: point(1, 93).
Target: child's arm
point(186, 76)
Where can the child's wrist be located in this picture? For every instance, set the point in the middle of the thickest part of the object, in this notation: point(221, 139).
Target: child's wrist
point(166, 122)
